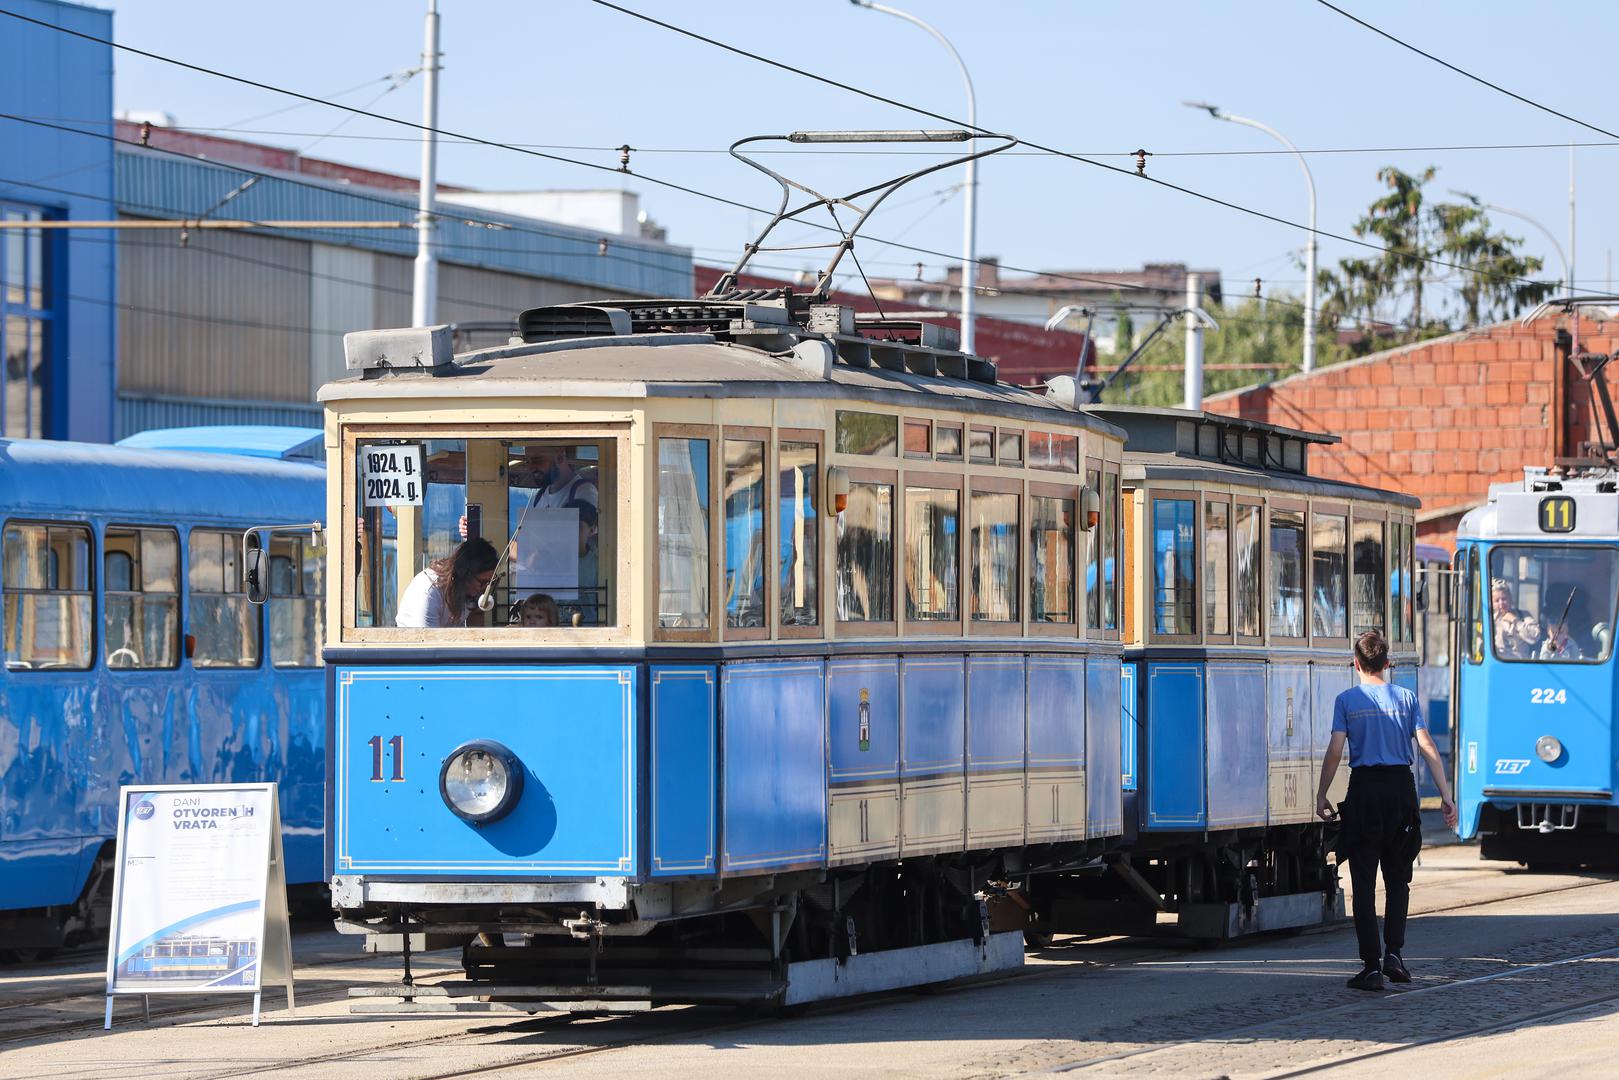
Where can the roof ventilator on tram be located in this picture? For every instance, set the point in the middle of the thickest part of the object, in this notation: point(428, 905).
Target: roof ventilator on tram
point(377, 352)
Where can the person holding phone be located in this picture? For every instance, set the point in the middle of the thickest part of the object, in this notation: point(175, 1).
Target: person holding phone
point(1382, 823)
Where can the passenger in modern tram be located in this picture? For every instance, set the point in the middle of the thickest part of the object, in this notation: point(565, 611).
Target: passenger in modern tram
point(446, 592)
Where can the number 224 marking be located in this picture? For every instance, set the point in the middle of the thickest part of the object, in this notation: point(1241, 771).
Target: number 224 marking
point(1548, 696)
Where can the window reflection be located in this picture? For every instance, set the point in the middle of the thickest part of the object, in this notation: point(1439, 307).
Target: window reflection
point(1051, 559)
point(1246, 570)
point(683, 494)
point(1368, 603)
point(744, 534)
point(800, 527)
point(1174, 546)
point(993, 542)
point(1216, 566)
point(1328, 617)
point(866, 554)
point(932, 554)
point(1287, 573)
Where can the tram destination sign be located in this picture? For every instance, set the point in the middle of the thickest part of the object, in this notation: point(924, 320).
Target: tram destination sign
point(392, 475)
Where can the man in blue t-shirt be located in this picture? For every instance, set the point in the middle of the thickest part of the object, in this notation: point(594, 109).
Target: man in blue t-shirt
point(1381, 821)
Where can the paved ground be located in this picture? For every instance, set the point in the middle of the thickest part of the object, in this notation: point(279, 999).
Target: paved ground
point(1517, 974)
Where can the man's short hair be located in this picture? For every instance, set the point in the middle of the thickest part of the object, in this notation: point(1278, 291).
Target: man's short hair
point(1372, 652)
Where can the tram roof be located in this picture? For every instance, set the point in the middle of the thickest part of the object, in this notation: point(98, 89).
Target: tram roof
point(1173, 466)
point(42, 477)
point(695, 366)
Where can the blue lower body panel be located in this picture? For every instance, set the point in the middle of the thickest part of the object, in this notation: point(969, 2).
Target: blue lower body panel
point(1173, 784)
point(774, 749)
point(1104, 788)
point(1237, 745)
point(685, 787)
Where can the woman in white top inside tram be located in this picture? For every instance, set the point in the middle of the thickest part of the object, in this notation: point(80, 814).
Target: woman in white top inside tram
point(446, 592)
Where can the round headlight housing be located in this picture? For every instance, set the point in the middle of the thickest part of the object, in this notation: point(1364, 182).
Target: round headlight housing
point(1548, 748)
point(480, 781)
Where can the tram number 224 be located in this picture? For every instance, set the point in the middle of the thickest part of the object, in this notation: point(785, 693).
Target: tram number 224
point(395, 745)
point(1548, 695)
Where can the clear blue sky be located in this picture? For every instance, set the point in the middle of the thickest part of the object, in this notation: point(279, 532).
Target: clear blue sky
point(1101, 78)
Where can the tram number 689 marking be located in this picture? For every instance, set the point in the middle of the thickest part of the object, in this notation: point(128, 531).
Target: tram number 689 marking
point(1548, 695)
point(396, 743)
point(1290, 790)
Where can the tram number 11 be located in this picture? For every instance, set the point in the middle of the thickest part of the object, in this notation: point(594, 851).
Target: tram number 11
point(395, 743)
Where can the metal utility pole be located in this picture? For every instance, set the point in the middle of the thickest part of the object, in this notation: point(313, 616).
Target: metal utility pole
point(1571, 219)
point(969, 258)
point(424, 289)
point(1310, 244)
point(1194, 342)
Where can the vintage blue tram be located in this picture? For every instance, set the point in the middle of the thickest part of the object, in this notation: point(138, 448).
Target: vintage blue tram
point(132, 655)
point(1537, 581)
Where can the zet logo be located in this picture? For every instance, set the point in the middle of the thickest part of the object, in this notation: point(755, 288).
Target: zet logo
point(144, 810)
point(1511, 766)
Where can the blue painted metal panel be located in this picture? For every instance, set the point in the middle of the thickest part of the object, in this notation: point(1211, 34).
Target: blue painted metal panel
point(1238, 774)
point(995, 714)
point(934, 726)
point(863, 714)
point(1288, 712)
point(685, 790)
point(1104, 793)
point(1173, 779)
point(1327, 681)
point(573, 728)
point(1129, 728)
point(275, 441)
point(1056, 712)
point(773, 729)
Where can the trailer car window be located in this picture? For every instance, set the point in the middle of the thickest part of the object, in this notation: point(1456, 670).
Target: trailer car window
point(1329, 616)
point(1174, 554)
point(224, 624)
point(1287, 573)
point(800, 530)
point(1368, 576)
point(744, 533)
point(47, 607)
point(683, 510)
point(993, 542)
point(1246, 571)
point(1051, 559)
point(1217, 567)
point(932, 554)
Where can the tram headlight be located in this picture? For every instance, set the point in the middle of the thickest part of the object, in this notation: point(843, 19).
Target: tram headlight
point(1548, 748)
point(480, 781)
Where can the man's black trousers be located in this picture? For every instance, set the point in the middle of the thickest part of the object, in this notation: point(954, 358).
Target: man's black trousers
point(1382, 827)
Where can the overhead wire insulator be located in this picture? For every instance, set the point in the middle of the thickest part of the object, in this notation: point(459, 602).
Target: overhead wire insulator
point(1141, 161)
point(624, 157)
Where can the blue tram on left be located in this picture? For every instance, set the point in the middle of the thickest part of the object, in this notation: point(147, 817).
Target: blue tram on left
point(132, 655)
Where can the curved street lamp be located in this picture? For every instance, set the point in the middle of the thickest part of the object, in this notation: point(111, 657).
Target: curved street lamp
point(969, 258)
point(1568, 283)
point(1310, 247)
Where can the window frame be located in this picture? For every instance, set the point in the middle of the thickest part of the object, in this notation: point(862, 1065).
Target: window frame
point(716, 511)
point(1122, 567)
point(929, 481)
point(1238, 500)
point(765, 437)
point(182, 585)
point(1359, 512)
point(995, 485)
point(94, 587)
point(304, 545)
point(1345, 511)
point(1491, 649)
point(818, 438)
point(1022, 436)
point(1192, 495)
point(960, 428)
point(257, 610)
point(1075, 627)
point(1291, 506)
point(1221, 498)
point(888, 627)
point(920, 421)
point(968, 431)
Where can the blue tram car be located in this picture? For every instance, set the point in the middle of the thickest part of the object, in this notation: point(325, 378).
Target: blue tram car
point(1537, 581)
point(132, 654)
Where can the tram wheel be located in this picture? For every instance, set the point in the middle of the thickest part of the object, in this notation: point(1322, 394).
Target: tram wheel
point(1038, 939)
point(27, 956)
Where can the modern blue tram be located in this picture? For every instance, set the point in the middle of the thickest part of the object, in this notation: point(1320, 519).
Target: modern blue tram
point(132, 655)
point(1534, 685)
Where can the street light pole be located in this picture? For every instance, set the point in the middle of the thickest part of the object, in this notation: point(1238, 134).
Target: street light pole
point(424, 285)
point(1568, 283)
point(1310, 246)
point(969, 258)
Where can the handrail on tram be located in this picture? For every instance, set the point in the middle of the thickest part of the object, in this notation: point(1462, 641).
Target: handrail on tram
point(845, 243)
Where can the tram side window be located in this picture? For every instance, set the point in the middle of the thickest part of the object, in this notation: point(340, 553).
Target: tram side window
point(1553, 603)
point(297, 577)
point(140, 624)
point(932, 555)
point(47, 606)
point(1287, 573)
point(1051, 559)
point(873, 434)
point(1369, 565)
point(683, 505)
point(800, 528)
point(1110, 528)
point(993, 541)
point(1329, 616)
point(1216, 567)
point(1400, 597)
point(744, 533)
point(222, 621)
point(1246, 571)
point(1093, 570)
point(866, 554)
point(1174, 553)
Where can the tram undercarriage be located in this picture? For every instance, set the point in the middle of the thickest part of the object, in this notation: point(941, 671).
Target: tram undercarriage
point(1550, 836)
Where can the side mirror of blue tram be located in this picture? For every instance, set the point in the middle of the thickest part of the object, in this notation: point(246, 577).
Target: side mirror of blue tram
point(253, 575)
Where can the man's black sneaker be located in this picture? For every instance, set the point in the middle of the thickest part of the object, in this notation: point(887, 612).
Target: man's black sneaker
point(1369, 979)
point(1394, 968)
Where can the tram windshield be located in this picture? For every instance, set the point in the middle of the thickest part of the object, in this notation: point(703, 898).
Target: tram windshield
point(1553, 604)
point(534, 517)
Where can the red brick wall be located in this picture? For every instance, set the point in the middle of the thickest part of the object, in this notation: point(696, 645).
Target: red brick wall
point(1442, 419)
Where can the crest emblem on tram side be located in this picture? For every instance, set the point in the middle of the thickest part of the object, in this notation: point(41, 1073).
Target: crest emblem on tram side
point(865, 719)
point(1289, 712)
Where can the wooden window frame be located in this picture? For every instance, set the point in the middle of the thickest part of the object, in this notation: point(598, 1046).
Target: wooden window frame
point(932, 481)
point(1155, 495)
point(910, 455)
point(1222, 498)
point(716, 492)
point(1075, 627)
point(1120, 540)
point(1331, 509)
point(896, 599)
point(762, 436)
point(94, 570)
point(1023, 448)
point(1264, 570)
point(1369, 512)
point(1292, 506)
point(961, 438)
point(967, 447)
point(825, 535)
point(995, 485)
point(863, 409)
point(181, 585)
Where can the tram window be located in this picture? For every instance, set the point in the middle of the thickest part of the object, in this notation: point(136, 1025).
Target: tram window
point(297, 572)
point(800, 530)
point(947, 442)
point(1553, 603)
point(1011, 448)
point(1053, 452)
point(1174, 581)
point(683, 500)
point(874, 434)
point(1110, 527)
point(1246, 570)
point(866, 554)
point(1287, 573)
point(993, 542)
point(1368, 585)
point(1217, 567)
point(981, 445)
point(1093, 571)
point(1400, 598)
point(932, 555)
point(744, 534)
point(1328, 576)
point(140, 618)
point(224, 624)
point(918, 439)
point(1051, 559)
point(47, 604)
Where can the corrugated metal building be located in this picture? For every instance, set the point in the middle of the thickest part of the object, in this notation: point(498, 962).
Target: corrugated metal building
point(221, 327)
